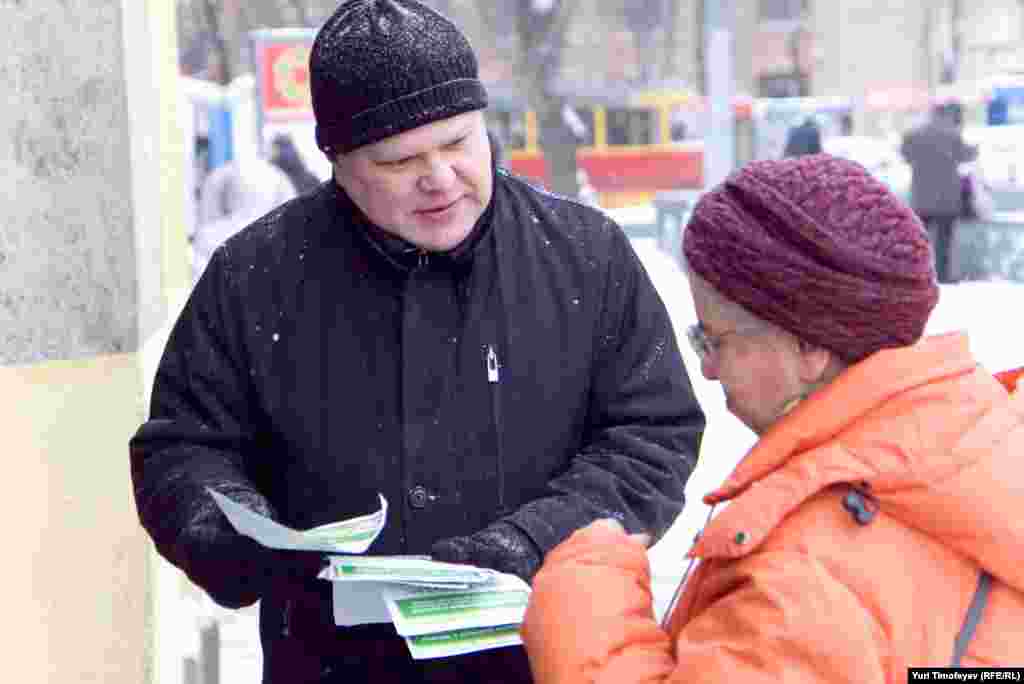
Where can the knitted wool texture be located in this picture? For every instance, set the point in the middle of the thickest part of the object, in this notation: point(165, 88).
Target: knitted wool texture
point(378, 68)
point(819, 247)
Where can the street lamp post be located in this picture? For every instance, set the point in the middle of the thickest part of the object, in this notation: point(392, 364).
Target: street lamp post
point(719, 145)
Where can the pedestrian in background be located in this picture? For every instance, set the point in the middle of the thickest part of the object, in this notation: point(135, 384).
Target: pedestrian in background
point(882, 498)
point(588, 193)
point(804, 138)
point(231, 197)
point(285, 156)
point(492, 358)
point(935, 150)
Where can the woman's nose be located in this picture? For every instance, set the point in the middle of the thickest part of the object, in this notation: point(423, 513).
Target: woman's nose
point(709, 367)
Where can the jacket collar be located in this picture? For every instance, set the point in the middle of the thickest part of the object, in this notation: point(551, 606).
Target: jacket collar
point(401, 253)
point(807, 450)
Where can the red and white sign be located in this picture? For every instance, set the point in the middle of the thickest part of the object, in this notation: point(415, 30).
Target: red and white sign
point(284, 80)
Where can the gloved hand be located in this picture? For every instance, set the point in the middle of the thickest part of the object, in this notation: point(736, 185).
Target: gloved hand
point(292, 568)
point(237, 571)
point(501, 546)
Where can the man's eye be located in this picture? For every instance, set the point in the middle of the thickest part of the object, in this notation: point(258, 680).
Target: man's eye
point(456, 143)
point(397, 162)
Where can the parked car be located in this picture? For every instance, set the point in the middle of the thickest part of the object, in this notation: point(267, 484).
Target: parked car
point(1000, 156)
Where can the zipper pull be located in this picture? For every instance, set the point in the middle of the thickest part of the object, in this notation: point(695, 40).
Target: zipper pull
point(286, 617)
point(421, 260)
point(492, 364)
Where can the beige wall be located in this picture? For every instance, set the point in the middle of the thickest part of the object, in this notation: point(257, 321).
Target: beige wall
point(98, 208)
point(77, 563)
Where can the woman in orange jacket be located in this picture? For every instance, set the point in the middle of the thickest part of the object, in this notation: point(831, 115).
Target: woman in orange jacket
point(878, 522)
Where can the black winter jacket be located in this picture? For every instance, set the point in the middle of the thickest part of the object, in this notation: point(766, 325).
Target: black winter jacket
point(532, 376)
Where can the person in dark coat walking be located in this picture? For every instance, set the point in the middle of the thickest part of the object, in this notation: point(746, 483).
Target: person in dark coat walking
point(490, 357)
point(802, 139)
point(935, 151)
point(285, 156)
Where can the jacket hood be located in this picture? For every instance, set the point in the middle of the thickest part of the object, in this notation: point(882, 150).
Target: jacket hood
point(925, 430)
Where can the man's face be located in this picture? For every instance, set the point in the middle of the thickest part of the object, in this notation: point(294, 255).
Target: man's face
point(428, 185)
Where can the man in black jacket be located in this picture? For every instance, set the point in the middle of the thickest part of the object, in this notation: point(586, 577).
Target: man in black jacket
point(492, 358)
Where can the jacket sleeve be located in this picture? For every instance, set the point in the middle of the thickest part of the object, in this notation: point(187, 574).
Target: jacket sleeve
point(644, 423)
point(907, 148)
point(966, 152)
point(771, 617)
point(590, 617)
point(198, 432)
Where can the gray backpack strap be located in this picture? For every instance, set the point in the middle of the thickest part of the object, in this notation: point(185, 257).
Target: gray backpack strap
point(972, 618)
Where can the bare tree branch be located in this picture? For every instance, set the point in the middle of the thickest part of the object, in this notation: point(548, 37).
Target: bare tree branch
point(301, 11)
point(542, 38)
point(212, 12)
point(541, 41)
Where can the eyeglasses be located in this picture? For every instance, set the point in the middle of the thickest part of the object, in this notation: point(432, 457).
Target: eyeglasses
point(706, 345)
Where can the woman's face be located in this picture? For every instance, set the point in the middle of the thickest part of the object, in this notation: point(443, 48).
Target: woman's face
point(761, 367)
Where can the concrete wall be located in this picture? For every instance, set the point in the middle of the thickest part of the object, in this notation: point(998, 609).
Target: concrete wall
point(90, 263)
point(993, 38)
point(869, 48)
point(68, 279)
point(887, 54)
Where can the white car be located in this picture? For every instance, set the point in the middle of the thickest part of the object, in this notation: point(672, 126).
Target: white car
point(1000, 154)
point(878, 155)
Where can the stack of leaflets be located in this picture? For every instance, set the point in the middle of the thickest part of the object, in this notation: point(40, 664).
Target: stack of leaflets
point(441, 609)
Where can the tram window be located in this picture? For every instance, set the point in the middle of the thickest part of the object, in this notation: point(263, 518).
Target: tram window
point(630, 126)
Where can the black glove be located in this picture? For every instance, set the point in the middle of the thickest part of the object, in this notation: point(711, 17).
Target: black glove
point(502, 547)
point(237, 571)
point(292, 568)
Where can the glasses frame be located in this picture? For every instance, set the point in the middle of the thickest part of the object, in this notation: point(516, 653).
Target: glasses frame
point(706, 346)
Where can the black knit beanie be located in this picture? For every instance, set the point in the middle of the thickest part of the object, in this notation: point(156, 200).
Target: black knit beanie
point(382, 67)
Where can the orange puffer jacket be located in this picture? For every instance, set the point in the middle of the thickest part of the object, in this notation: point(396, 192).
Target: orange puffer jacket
point(790, 586)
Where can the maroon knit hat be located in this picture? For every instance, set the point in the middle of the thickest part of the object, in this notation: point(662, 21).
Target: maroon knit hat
point(819, 247)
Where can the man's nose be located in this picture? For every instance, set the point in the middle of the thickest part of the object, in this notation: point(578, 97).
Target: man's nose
point(438, 174)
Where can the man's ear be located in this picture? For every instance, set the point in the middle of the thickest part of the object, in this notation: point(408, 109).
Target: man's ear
point(815, 362)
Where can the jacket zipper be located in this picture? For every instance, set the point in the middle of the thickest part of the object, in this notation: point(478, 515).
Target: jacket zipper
point(493, 379)
point(666, 618)
point(286, 619)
